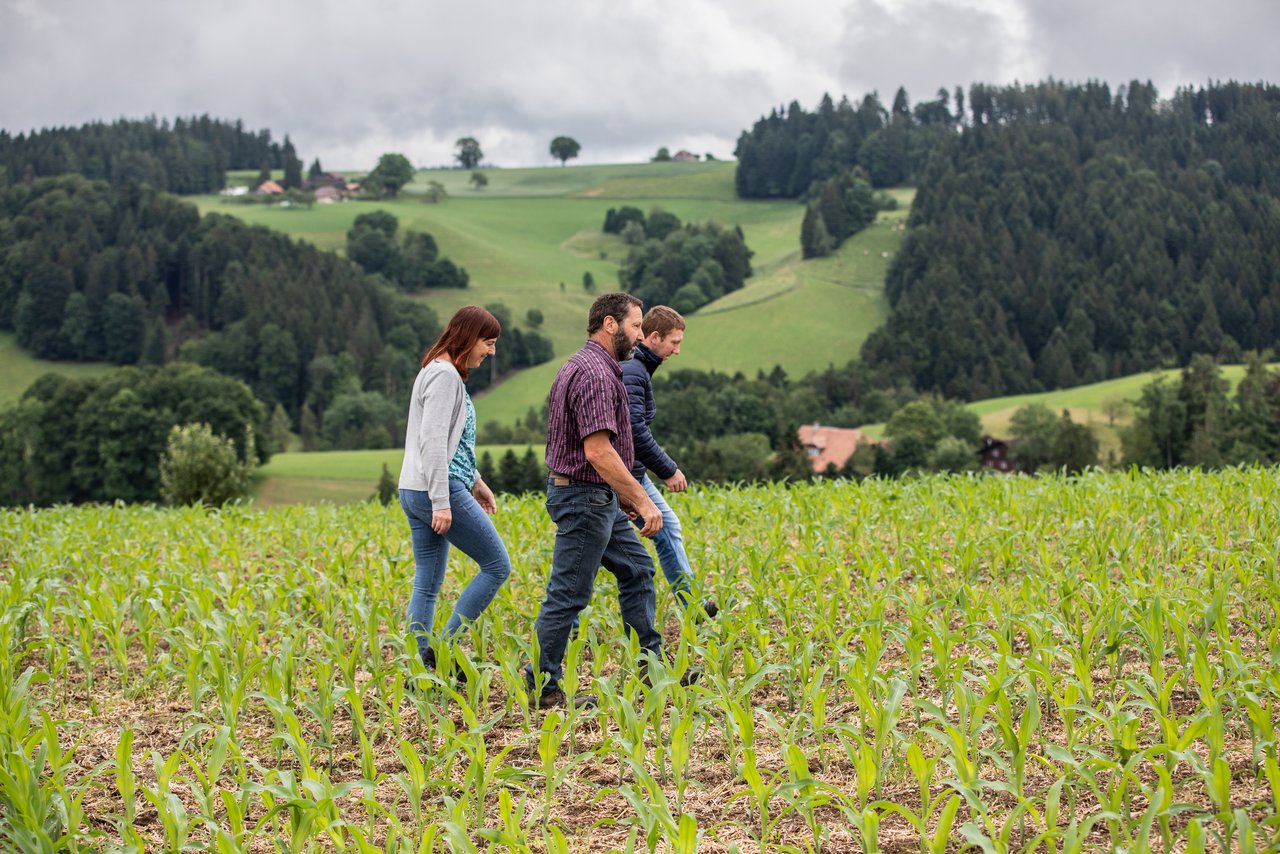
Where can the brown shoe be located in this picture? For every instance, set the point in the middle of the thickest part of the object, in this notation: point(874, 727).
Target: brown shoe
point(556, 698)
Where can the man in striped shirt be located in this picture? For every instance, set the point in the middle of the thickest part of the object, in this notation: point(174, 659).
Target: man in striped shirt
point(591, 496)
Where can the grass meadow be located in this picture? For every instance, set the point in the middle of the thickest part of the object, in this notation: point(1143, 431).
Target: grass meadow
point(21, 369)
point(340, 476)
point(997, 664)
point(530, 230)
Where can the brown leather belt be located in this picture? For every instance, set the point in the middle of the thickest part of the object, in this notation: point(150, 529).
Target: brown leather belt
point(565, 480)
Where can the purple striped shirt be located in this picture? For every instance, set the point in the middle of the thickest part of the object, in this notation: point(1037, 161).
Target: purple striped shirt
point(586, 397)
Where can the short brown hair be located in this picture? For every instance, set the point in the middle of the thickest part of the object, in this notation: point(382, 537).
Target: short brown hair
point(662, 319)
point(469, 324)
point(616, 305)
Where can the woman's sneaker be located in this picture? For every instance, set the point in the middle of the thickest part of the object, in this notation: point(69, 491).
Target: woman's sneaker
point(456, 673)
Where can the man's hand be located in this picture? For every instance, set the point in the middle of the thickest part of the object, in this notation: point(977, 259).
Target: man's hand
point(677, 483)
point(484, 497)
point(441, 521)
point(652, 517)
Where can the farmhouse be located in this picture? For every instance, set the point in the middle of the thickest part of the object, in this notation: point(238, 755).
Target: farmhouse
point(994, 455)
point(269, 188)
point(685, 156)
point(830, 445)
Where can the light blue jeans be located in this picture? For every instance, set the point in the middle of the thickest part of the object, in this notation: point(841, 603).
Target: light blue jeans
point(669, 543)
point(474, 535)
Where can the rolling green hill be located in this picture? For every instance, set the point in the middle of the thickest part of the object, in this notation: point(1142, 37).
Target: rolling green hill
point(530, 230)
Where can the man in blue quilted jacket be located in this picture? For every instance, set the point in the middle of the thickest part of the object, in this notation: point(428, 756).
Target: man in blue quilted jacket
point(663, 331)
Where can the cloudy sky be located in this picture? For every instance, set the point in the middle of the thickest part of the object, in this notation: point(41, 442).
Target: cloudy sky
point(348, 81)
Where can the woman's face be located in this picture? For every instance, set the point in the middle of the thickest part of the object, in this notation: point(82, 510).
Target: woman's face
point(480, 351)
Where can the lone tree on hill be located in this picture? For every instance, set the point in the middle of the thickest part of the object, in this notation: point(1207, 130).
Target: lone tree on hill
point(479, 179)
point(392, 172)
point(469, 153)
point(564, 148)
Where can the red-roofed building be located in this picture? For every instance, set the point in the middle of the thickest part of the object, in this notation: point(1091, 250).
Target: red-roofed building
point(831, 445)
point(270, 188)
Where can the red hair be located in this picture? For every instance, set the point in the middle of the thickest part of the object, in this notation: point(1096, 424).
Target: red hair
point(469, 324)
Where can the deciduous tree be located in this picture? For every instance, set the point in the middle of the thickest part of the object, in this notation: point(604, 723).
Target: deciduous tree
point(468, 154)
point(392, 172)
point(564, 148)
point(201, 467)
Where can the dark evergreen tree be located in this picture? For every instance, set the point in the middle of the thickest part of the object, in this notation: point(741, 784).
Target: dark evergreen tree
point(292, 166)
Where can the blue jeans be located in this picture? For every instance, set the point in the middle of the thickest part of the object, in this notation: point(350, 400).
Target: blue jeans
point(591, 532)
point(669, 543)
point(474, 535)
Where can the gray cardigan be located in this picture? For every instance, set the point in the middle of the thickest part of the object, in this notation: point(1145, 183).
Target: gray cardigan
point(437, 414)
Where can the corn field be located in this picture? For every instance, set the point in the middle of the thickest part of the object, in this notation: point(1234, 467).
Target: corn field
point(939, 664)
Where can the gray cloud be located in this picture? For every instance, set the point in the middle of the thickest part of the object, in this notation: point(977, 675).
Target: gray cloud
point(348, 81)
point(1179, 43)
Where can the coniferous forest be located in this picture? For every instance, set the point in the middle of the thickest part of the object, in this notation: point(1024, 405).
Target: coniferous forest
point(191, 155)
point(1061, 234)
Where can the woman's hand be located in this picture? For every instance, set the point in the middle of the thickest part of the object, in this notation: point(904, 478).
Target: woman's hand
point(484, 497)
point(441, 521)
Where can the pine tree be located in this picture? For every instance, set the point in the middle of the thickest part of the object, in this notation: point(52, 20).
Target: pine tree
point(292, 167)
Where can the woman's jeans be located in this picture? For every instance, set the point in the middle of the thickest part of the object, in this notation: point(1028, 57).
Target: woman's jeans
point(474, 535)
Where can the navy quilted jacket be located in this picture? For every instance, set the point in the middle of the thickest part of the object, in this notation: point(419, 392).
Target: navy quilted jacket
point(637, 376)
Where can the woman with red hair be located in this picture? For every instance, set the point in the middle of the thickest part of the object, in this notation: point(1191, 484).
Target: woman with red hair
point(440, 489)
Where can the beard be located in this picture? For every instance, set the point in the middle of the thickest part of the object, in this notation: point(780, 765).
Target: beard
point(623, 347)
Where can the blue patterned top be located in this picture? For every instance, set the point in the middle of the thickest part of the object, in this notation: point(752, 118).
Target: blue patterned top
point(463, 465)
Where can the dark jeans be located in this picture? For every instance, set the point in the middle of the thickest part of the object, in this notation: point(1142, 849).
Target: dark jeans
point(591, 532)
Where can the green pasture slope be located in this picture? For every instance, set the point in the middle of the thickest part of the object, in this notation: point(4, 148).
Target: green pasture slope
point(530, 230)
point(1027, 665)
point(21, 369)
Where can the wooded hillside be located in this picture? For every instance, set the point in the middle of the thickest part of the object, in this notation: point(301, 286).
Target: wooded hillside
point(1065, 236)
point(188, 156)
point(133, 276)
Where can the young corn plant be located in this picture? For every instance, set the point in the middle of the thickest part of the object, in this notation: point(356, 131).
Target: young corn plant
point(880, 705)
